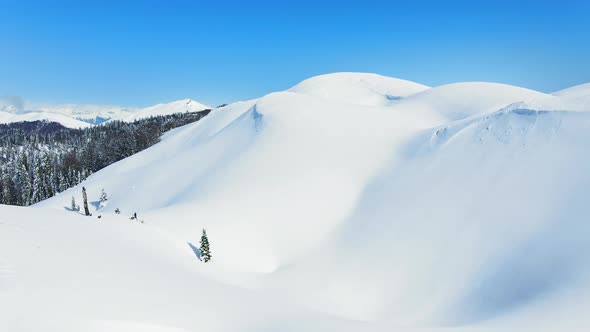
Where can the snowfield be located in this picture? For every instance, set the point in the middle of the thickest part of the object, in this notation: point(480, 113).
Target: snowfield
point(350, 202)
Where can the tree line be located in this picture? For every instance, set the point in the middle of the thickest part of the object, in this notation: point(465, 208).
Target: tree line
point(40, 159)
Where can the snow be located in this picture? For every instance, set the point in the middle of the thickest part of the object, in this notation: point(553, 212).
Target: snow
point(85, 112)
point(582, 90)
point(461, 100)
point(577, 95)
point(457, 208)
point(82, 116)
point(179, 106)
point(358, 88)
point(64, 272)
point(6, 117)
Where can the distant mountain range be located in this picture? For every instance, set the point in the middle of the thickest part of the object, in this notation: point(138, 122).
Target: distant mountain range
point(84, 115)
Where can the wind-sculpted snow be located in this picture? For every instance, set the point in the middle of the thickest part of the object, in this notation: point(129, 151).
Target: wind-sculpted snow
point(462, 100)
point(461, 208)
point(504, 126)
point(468, 229)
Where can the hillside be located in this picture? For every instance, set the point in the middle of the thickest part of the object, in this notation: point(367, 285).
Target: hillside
point(40, 158)
point(329, 206)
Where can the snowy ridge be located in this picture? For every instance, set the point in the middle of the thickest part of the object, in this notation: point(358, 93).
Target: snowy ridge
point(577, 95)
point(454, 208)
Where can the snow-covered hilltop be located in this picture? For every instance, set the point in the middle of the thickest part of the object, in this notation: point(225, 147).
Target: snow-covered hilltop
point(358, 88)
point(350, 202)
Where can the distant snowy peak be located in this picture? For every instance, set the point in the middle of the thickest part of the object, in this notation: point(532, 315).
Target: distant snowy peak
point(85, 115)
point(179, 106)
point(358, 88)
point(85, 112)
point(7, 117)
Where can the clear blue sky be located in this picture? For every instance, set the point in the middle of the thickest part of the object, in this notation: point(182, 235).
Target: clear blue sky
point(140, 53)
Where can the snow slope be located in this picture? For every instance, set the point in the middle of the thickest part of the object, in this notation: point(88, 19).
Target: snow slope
point(577, 95)
point(461, 100)
point(456, 208)
point(60, 271)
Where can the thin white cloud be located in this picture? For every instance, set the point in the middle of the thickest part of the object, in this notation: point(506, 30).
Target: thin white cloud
point(14, 104)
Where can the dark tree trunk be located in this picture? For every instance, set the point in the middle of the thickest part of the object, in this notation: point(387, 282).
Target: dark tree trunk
point(86, 211)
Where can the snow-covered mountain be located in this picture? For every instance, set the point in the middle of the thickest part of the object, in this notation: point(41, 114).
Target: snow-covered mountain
point(13, 109)
point(81, 116)
point(10, 117)
point(179, 106)
point(89, 113)
point(350, 202)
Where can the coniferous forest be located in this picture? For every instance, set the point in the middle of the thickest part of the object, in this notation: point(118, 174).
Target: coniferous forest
point(40, 159)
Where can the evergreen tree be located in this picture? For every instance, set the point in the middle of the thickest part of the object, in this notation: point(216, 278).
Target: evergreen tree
point(74, 206)
point(10, 195)
point(47, 176)
point(38, 185)
point(205, 250)
point(62, 182)
point(24, 178)
point(103, 198)
point(2, 186)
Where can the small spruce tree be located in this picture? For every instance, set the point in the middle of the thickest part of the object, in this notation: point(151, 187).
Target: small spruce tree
point(74, 206)
point(205, 250)
point(103, 198)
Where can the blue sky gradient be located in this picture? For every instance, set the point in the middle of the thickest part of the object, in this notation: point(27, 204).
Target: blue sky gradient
point(138, 53)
